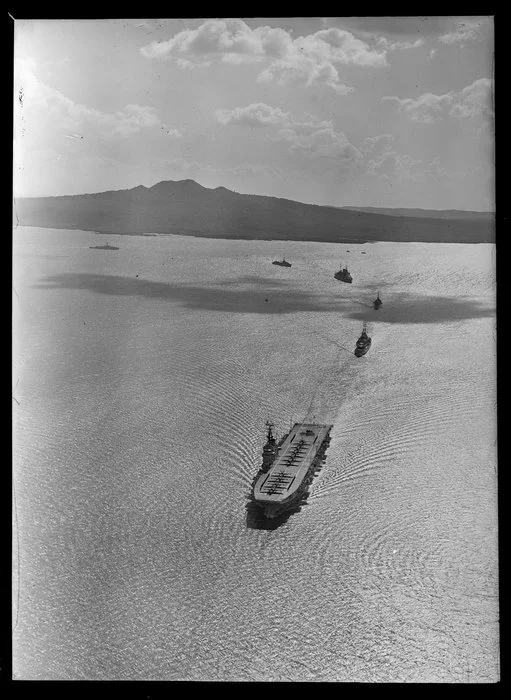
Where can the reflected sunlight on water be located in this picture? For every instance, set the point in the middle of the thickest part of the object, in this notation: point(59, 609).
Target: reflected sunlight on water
point(145, 379)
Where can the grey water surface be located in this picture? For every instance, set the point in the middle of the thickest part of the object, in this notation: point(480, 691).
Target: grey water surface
point(143, 379)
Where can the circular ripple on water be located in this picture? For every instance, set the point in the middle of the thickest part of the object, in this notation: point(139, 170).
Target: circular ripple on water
point(390, 435)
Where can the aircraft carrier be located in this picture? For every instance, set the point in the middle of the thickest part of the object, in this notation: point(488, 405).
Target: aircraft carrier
point(289, 466)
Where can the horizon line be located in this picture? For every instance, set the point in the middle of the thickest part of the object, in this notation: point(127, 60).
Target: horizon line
point(249, 194)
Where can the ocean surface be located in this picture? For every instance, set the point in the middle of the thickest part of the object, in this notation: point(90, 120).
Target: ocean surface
point(142, 380)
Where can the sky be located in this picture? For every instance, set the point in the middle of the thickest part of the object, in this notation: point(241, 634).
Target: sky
point(382, 111)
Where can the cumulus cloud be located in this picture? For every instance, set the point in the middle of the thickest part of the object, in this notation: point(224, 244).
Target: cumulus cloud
point(339, 46)
point(391, 165)
point(190, 65)
point(382, 160)
point(304, 71)
point(43, 109)
point(307, 135)
point(399, 45)
point(306, 60)
point(320, 145)
point(426, 108)
point(257, 115)
point(464, 31)
point(473, 101)
point(261, 114)
point(237, 59)
point(324, 142)
point(373, 145)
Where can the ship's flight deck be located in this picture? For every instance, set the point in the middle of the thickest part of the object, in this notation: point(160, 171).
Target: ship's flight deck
point(292, 463)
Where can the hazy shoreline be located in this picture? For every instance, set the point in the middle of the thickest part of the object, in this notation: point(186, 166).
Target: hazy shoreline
point(188, 209)
point(188, 234)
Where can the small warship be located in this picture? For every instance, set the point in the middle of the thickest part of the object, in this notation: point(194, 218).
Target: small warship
point(103, 247)
point(282, 263)
point(377, 302)
point(289, 466)
point(363, 343)
point(343, 275)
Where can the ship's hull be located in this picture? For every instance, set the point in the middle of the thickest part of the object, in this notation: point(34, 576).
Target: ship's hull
point(281, 264)
point(342, 280)
point(282, 485)
point(362, 351)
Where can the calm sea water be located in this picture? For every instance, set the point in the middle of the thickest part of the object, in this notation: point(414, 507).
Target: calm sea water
point(143, 379)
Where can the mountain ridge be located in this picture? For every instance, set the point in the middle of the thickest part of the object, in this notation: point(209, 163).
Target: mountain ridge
point(187, 208)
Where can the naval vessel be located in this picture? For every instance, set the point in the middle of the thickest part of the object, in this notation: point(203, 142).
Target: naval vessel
point(282, 263)
point(344, 275)
point(363, 343)
point(107, 246)
point(289, 466)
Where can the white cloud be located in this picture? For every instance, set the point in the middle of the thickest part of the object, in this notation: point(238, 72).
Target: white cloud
point(426, 108)
point(44, 111)
point(324, 142)
point(308, 135)
point(330, 151)
point(128, 120)
point(190, 65)
point(261, 114)
point(399, 45)
point(236, 59)
point(321, 148)
point(382, 160)
point(472, 101)
point(373, 145)
point(391, 165)
point(306, 60)
point(258, 114)
point(187, 166)
point(465, 30)
point(338, 46)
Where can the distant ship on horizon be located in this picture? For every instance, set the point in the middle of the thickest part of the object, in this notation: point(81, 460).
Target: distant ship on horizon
point(103, 247)
point(282, 263)
point(377, 302)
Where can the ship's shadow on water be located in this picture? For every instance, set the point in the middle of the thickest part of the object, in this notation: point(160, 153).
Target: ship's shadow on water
point(257, 521)
point(264, 295)
point(410, 308)
point(270, 296)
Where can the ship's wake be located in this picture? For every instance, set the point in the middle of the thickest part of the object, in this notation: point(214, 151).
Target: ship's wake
point(324, 402)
